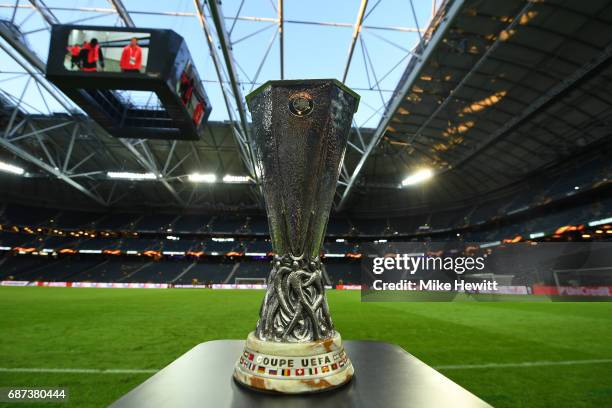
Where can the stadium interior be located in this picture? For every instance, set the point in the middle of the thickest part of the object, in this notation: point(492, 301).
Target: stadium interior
point(495, 128)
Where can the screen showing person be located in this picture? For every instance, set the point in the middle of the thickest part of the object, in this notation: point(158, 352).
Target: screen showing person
point(189, 95)
point(107, 51)
point(185, 84)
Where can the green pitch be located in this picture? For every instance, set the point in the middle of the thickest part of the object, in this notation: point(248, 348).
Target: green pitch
point(43, 328)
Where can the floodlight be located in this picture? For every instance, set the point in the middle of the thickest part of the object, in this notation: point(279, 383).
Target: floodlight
point(600, 222)
point(202, 178)
point(126, 175)
point(417, 177)
point(9, 168)
point(229, 178)
point(256, 254)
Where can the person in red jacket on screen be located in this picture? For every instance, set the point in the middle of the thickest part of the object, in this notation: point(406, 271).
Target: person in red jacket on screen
point(185, 87)
point(198, 113)
point(131, 57)
point(74, 51)
point(91, 55)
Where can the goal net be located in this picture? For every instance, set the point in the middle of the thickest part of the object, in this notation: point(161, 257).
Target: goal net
point(250, 281)
point(583, 277)
point(502, 280)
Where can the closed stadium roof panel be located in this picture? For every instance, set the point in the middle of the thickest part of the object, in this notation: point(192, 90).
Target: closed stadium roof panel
point(483, 94)
point(510, 88)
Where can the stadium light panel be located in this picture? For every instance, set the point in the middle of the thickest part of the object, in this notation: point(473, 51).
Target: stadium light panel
point(256, 254)
point(90, 251)
point(173, 253)
point(202, 178)
point(417, 177)
point(126, 175)
point(229, 178)
point(600, 222)
point(9, 168)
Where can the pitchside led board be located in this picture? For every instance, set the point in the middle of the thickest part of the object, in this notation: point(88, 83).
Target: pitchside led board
point(92, 64)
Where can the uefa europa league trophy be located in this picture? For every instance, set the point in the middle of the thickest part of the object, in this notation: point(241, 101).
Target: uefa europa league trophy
point(300, 132)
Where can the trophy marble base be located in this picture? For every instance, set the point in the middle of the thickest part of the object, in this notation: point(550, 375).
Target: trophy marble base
point(293, 368)
point(387, 376)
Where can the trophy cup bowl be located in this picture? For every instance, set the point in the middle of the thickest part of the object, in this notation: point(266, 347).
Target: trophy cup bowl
point(300, 133)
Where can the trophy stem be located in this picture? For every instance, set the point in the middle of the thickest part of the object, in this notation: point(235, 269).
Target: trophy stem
point(295, 306)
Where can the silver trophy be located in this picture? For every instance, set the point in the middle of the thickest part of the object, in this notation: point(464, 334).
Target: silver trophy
point(300, 132)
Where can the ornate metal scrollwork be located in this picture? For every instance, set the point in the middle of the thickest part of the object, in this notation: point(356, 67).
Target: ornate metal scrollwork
point(295, 307)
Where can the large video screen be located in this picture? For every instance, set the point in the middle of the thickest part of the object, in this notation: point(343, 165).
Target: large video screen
point(107, 51)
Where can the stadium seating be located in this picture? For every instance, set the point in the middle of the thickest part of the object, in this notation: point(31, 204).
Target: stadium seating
point(9, 239)
point(252, 270)
point(206, 272)
point(112, 270)
point(191, 223)
point(258, 225)
point(344, 272)
point(27, 216)
point(447, 219)
point(17, 267)
point(218, 248)
point(259, 246)
point(339, 226)
point(594, 173)
point(336, 248)
point(158, 272)
point(155, 223)
point(113, 222)
point(100, 243)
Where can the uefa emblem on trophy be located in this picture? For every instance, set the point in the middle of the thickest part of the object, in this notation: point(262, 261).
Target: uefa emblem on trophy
point(300, 132)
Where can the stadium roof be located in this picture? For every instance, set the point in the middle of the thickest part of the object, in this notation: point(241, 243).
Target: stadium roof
point(502, 89)
point(490, 93)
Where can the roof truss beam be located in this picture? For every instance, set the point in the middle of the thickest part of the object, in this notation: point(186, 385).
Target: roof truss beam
point(44, 11)
point(356, 31)
point(398, 97)
point(240, 125)
point(123, 13)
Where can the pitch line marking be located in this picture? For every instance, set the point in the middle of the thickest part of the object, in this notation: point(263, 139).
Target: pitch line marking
point(523, 364)
point(78, 370)
point(440, 367)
